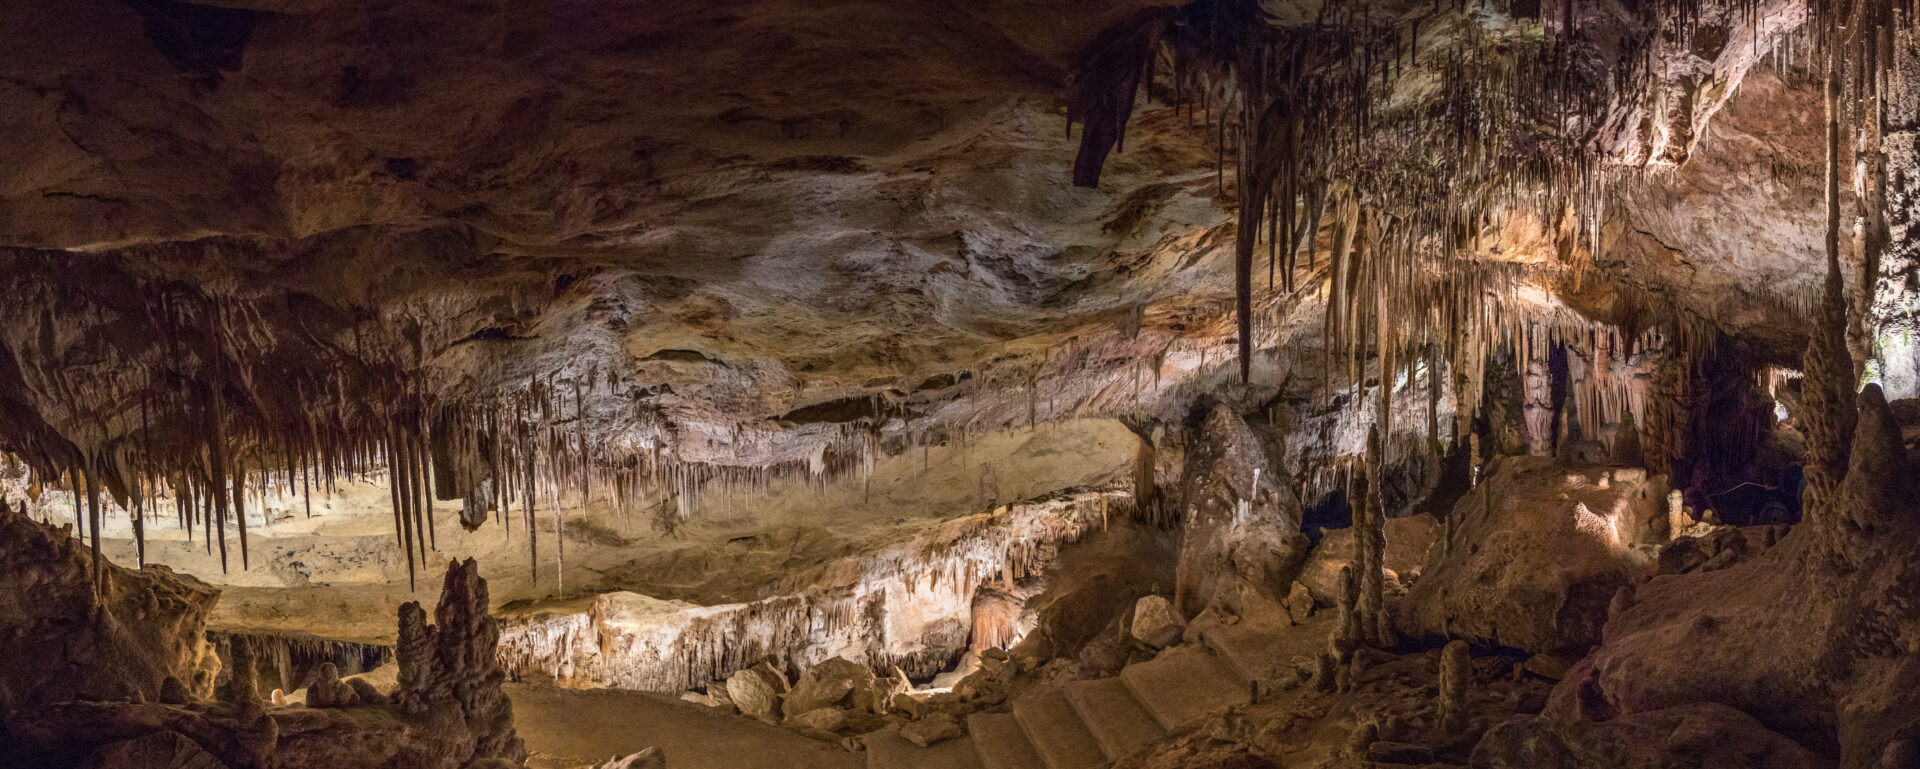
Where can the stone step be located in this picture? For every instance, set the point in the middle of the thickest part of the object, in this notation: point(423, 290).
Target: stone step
point(1116, 720)
point(1184, 684)
point(1265, 652)
point(886, 749)
point(1001, 742)
point(1054, 728)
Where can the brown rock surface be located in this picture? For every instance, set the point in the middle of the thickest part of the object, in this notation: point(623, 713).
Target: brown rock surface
point(1783, 636)
point(448, 712)
point(835, 682)
point(1699, 736)
point(1534, 556)
point(160, 750)
point(1408, 540)
point(69, 639)
point(1155, 623)
point(753, 690)
point(1241, 526)
point(931, 729)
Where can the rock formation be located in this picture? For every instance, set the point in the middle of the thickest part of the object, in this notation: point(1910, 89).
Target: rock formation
point(117, 634)
point(1534, 555)
point(905, 378)
point(1240, 525)
point(449, 712)
point(1408, 540)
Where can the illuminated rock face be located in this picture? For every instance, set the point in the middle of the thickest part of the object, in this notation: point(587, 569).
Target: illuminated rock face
point(909, 607)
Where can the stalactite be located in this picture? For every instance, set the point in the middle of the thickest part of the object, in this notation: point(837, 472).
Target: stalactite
point(217, 479)
point(399, 479)
point(1827, 390)
point(92, 477)
point(423, 510)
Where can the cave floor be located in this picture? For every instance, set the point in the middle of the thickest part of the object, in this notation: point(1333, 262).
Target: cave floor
point(566, 728)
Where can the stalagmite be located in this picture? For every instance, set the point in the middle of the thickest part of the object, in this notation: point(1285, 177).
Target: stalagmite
point(1369, 559)
point(1456, 666)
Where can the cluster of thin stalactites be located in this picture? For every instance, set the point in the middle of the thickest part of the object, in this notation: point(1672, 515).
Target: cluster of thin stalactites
point(1403, 192)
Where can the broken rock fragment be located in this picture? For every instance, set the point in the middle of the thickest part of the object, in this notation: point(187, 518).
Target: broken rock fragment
point(754, 691)
point(932, 729)
point(1155, 623)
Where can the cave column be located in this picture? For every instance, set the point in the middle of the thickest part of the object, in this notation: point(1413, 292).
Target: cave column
point(1896, 297)
point(1537, 404)
point(1370, 546)
point(1827, 390)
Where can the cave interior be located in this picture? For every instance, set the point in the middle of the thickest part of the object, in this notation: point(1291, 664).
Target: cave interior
point(992, 384)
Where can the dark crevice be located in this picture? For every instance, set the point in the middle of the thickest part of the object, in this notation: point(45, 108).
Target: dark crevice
point(682, 356)
point(201, 42)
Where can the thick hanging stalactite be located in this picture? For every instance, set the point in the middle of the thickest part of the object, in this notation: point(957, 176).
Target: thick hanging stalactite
point(1827, 391)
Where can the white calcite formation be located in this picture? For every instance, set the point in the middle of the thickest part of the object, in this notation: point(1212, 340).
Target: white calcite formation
point(909, 606)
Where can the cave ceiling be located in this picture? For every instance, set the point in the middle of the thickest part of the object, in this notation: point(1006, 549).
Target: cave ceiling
point(771, 234)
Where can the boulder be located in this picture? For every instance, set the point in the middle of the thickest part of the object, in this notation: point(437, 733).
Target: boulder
point(328, 691)
point(826, 720)
point(1241, 524)
point(911, 705)
point(1718, 547)
point(1300, 603)
point(834, 682)
point(989, 684)
point(364, 692)
point(931, 729)
point(1408, 540)
point(1533, 557)
point(173, 692)
point(756, 692)
point(1155, 623)
point(1552, 667)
